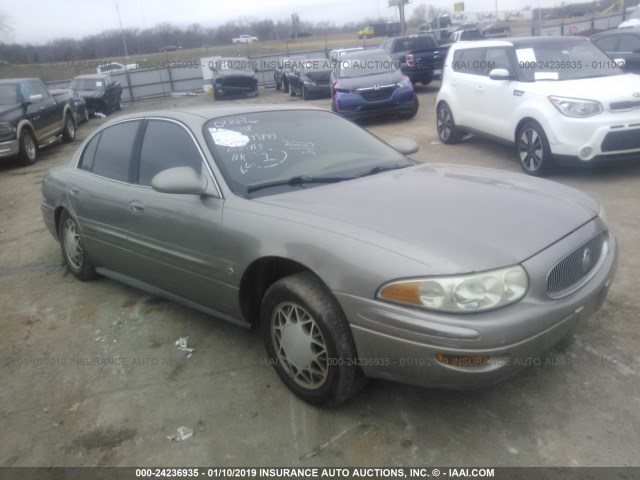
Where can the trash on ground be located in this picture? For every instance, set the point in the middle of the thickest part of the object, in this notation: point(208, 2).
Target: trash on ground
point(183, 434)
point(181, 343)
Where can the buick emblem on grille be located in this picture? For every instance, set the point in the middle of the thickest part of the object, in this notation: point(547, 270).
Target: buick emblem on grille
point(587, 258)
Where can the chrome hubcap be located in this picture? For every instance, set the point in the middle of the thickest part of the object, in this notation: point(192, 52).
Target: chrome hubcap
point(72, 244)
point(530, 149)
point(444, 123)
point(299, 345)
point(71, 130)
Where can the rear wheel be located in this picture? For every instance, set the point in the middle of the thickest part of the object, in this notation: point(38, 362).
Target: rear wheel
point(28, 148)
point(291, 92)
point(309, 341)
point(533, 148)
point(278, 84)
point(446, 126)
point(73, 252)
point(85, 116)
point(285, 86)
point(305, 94)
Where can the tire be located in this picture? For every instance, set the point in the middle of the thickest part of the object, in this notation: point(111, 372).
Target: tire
point(69, 131)
point(278, 84)
point(28, 154)
point(285, 86)
point(86, 114)
point(333, 106)
point(533, 149)
point(414, 112)
point(291, 92)
point(446, 126)
point(75, 257)
point(305, 94)
point(300, 315)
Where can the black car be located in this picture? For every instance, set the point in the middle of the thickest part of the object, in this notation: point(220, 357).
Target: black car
point(310, 78)
point(283, 67)
point(421, 58)
point(78, 103)
point(234, 77)
point(101, 93)
point(370, 83)
point(621, 43)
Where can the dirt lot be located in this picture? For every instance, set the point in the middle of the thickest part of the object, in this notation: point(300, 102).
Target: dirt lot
point(63, 404)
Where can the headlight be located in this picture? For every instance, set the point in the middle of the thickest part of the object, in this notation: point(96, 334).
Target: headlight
point(576, 107)
point(460, 293)
point(405, 82)
point(310, 83)
point(7, 128)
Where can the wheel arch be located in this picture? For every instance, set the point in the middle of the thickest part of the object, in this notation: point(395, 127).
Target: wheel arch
point(25, 124)
point(258, 277)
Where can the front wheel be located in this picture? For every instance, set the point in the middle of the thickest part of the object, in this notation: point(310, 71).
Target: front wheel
point(448, 132)
point(533, 148)
point(73, 251)
point(285, 86)
point(28, 148)
point(309, 342)
point(305, 93)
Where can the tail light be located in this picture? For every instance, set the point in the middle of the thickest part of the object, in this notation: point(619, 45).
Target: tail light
point(410, 60)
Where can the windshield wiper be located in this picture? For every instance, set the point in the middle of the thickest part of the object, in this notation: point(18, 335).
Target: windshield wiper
point(296, 181)
point(383, 168)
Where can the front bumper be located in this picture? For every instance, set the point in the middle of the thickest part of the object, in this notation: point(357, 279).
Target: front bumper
point(608, 136)
point(10, 148)
point(353, 105)
point(400, 344)
point(236, 89)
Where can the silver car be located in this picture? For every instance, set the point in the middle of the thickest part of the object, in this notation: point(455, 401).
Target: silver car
point(352, 260)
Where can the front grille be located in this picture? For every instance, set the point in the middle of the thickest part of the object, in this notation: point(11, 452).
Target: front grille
point(624, 140)
point(373, 95)
point(240, 83)
point(624, 105)
point(570, 272)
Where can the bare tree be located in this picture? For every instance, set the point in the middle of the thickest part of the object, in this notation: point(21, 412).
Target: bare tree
point(418, 16)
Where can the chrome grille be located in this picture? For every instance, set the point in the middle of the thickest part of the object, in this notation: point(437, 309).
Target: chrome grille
point(371, 94)
point(574, 269)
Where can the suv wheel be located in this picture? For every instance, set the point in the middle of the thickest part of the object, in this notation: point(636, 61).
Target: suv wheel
point(447, 130)
point(28, 148)
point(69, 132)
point(533, 148)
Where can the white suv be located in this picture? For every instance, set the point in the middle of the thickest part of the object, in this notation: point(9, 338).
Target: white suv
point(556, 98)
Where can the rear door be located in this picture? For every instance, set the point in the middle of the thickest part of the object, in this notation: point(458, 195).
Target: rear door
point(468, 68)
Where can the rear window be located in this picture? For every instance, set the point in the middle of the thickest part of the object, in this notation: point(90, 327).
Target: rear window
point(113, 153)
point(470, 60)
point(422, 42)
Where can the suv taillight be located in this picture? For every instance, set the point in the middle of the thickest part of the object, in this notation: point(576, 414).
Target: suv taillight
point(410, 60)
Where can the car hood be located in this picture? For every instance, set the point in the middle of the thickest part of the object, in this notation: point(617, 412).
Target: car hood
point(317, 75)
point(7, 112)
point(387, 78)
point(470, 219)
point(604, 89)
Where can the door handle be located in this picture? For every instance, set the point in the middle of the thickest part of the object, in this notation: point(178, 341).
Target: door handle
point(136, 206)
point(75, 191)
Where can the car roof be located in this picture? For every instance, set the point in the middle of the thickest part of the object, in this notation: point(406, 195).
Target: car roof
point(198, 115)
point(16, 80)
point(364, 53)
point(518, 42)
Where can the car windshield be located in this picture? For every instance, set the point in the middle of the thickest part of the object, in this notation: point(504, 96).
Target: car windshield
point(86, 84)
point(8, 94)
point(363, 66)
point(265, 153)
point(471, 35)
point(422, 42)
point(563, 60)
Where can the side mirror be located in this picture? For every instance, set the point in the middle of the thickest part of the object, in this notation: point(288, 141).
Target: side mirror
point(500, 74)
point(621, 62)
point(35, 98)
point(405, 146)
point(177, 180)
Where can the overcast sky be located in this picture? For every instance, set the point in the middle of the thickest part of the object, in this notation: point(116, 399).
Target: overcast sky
point(38, 21)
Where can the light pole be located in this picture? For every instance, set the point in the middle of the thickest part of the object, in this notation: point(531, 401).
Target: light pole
point(124, 43)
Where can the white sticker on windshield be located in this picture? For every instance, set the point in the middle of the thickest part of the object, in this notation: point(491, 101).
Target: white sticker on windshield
point(545, 76)
point(98, 84)
point(526, 55)
point(228, 138)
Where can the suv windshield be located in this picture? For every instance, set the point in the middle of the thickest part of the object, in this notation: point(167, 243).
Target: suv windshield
point(563, 60)
point(265, 153)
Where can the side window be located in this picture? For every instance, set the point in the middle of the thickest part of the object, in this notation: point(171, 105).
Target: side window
point(114, 151)
point(166, 145)
point(497, 58)
point(629, 44)
point(39, 89)
point(89, 154)
point(608, 44)
point(470, 60)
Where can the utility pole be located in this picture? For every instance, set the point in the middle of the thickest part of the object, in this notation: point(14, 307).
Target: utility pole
point(124, 43)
